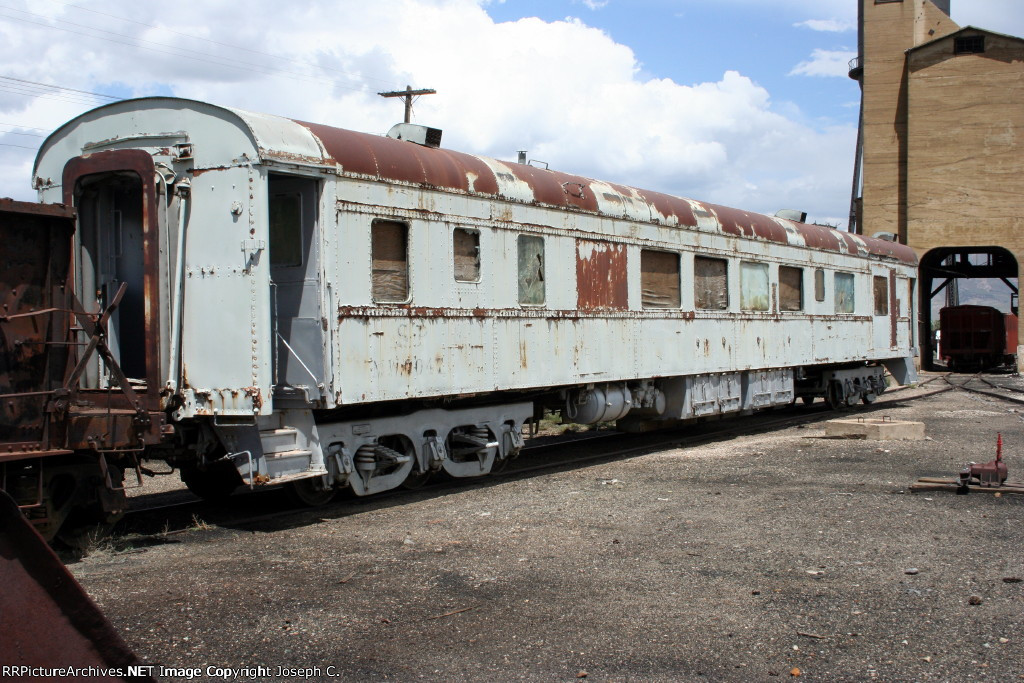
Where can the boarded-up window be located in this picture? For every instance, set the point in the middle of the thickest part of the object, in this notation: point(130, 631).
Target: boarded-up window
point(881, 289)
point(844, 292)
point(390, 261)
point(531, 270)
point(791, 288)
point(819, 285)
point(754, 294)
point(286, 229)
point(466, 251)
point(711, 283)
point(659, 279)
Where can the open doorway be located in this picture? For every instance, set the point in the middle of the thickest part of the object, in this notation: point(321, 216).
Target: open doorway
point(298, 322)
point(977, 287)
point(110, 253)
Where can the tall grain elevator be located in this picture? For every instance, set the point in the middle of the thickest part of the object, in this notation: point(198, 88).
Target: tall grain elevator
point(940, 154)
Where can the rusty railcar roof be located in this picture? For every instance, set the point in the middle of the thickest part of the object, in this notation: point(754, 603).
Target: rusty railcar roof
point(382, 158)
point(399, 161)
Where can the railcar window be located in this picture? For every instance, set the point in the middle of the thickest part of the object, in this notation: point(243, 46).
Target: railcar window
point(286, 229)
point(531, 270)
point(659, 279)
point(819, 285)
point(754, 286)
point(791, 288)
point(466, 252)
point(711, 283)
point(844, 292)
point(881, 295)
point(390, 261)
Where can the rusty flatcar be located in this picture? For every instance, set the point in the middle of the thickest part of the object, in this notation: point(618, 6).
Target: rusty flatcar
point(259, 301)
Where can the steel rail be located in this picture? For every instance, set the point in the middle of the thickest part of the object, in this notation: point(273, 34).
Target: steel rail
point(610, 446)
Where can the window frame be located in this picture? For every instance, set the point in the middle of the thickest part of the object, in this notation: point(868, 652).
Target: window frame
point(761, 268)
point(696, 297)
point(800, 289)
point(837, 277)
point(645, 256)
point(521, 239)
point(882, 309)
point(969, 45)
point(374, 283)
point(296, 241)
point(479, 258)
point(819, 285)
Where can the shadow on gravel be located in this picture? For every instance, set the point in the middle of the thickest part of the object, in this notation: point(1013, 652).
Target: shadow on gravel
point(271, 510)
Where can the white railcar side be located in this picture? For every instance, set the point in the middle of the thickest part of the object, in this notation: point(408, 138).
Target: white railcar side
point(327, 308)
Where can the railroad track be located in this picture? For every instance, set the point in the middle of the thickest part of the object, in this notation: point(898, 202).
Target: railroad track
point(151, 523)
point(964, 386)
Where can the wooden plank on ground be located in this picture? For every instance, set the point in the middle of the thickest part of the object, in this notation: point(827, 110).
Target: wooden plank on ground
point(947, 484)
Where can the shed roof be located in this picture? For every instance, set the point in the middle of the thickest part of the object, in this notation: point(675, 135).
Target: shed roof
point(965, 29)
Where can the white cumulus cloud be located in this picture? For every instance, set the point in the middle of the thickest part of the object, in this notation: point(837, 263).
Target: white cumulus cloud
point(829, 25)
point(825, 63)
point(566, 92)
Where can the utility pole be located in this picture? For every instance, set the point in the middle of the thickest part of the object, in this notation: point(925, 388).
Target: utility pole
point(407, 95)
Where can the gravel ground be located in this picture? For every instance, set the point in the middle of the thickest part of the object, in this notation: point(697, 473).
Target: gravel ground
point(751, 558)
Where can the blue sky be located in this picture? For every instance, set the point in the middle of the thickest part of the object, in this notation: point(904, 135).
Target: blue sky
point(694, 42)
point(739, 102)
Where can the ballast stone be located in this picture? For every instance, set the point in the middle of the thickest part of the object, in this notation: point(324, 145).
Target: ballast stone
point(875, 429)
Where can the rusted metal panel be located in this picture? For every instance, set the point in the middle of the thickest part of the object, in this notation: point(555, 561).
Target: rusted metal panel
point(47, 620)
point(601, 276)
point(35, 254)
point(389, 159)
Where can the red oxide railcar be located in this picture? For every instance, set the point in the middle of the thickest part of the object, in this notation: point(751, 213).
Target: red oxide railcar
point(977, 337)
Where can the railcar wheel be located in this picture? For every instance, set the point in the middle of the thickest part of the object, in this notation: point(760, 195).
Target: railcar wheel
point(835, 396)
point(216, 481)
point(417, 479)
point(309, 492)
point(499, 465)
point(81, 535)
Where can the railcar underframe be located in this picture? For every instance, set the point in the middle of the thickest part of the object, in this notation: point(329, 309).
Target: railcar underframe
point(259, 301)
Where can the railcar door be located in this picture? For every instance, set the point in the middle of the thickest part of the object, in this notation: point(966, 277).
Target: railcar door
point(297, 319)
point(118, 244)
point(905, 291)
point(110, 253)
point(886, 309)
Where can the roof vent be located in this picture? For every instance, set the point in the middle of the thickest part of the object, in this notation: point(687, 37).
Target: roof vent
point(887, 236)
point(792, 215)
point(413, 132)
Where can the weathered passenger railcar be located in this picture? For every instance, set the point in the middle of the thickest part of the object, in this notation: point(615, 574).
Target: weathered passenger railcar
point(263, 300)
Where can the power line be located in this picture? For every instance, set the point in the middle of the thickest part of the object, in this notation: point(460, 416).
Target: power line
point(407, 95)
point(31, 135)
point(35, 92)
point(50, 93)
point(5, 144)
point(173, 50)
point(45, 131)
point(59, 87)
point(221, 44)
